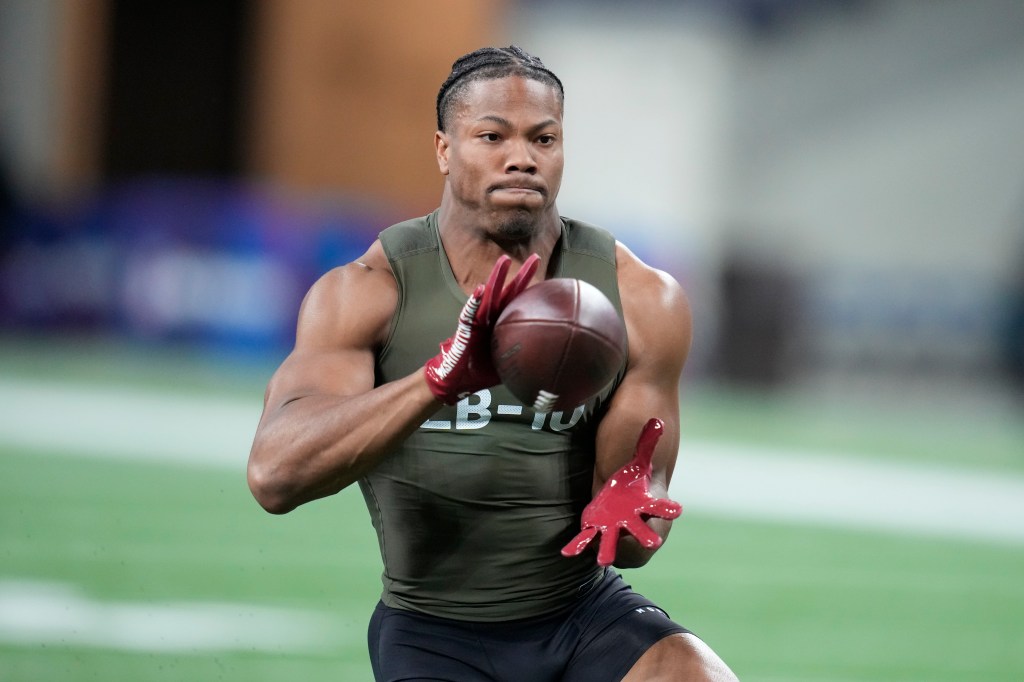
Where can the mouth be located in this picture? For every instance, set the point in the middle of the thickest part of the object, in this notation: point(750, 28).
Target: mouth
point(518, 188)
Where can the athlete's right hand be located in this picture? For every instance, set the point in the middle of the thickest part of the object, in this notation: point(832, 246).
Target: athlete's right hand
point(464, 364)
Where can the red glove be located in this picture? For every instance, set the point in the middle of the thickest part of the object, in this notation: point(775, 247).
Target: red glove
point(464, 364)
point(624, 502)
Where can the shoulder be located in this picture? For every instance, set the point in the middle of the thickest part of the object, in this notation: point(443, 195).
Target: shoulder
point(655, 307)
point(639, 281)
point(369, 275)
point(352, 302)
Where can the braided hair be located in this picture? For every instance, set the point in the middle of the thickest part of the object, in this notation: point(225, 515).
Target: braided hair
point(489, 63)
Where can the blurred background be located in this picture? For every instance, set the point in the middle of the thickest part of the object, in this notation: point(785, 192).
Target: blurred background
point(839, 185)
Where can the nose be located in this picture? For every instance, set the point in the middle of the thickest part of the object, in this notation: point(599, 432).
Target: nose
point(520, 158)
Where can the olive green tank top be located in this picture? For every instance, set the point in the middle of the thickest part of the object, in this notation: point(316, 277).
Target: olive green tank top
point(471, 512)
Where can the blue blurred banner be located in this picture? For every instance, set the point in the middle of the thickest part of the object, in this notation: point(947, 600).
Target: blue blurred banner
point(209, 262)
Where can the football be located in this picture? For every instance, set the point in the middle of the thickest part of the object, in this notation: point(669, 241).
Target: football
point(558, 344)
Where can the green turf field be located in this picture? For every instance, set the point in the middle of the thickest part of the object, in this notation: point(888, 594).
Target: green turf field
point(779, 602)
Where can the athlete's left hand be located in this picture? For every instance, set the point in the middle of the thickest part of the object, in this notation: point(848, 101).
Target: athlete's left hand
point(624, 502)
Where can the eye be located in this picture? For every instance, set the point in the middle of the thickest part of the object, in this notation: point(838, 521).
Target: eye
point(546, 139)
point(491, 137)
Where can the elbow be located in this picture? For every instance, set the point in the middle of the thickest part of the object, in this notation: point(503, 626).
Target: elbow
point(269, 490)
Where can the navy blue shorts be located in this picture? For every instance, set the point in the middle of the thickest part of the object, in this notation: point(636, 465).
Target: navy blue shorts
point(599, 638)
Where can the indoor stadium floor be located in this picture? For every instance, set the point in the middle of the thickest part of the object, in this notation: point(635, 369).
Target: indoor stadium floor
point(821, 540)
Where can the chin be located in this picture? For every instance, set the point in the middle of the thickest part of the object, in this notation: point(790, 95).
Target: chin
point(518, 227)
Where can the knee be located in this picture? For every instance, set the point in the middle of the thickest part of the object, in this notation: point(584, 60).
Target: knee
point(704, 663)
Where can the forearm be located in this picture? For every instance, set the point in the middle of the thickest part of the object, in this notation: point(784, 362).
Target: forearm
point(311, 447)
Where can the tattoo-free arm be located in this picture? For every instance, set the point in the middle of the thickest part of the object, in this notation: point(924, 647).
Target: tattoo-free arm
point(324, 425)
point(658, 323)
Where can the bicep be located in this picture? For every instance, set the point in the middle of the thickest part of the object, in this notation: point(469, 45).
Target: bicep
point(308, 372)
point(658, 321)
point(341, 323)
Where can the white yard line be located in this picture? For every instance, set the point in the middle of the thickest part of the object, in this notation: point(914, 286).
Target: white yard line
point(778, 485)
point(56, 613)
point(122, 423)
point(743, 482)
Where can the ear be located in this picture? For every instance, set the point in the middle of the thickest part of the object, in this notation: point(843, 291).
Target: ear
point(441, 146)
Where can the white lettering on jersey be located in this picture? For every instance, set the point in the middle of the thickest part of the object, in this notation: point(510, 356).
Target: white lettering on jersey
point(558, 425)
point(473, 412)
point(473, 416)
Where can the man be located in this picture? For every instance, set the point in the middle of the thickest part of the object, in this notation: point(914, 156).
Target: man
point(473, 494)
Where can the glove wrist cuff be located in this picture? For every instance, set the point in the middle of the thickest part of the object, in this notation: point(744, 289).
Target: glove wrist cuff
point(436, 387)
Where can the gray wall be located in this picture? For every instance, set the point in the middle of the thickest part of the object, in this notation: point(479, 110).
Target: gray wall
point(875, 156)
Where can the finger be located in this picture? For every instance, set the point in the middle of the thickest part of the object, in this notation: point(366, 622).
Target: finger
point(664, 508)
point(649, 437)
point(643, 533)
point(492, 291)
point(580, 542)
point(521, 281)
point(609, 543)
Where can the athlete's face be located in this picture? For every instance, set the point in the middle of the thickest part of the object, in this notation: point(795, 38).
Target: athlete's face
point(502, 153)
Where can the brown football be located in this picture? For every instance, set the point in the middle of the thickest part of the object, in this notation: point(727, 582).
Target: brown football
point(558, 344)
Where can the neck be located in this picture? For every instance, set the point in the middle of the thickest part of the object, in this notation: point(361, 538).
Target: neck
point(473, 241)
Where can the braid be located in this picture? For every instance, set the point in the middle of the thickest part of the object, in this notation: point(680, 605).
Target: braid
point(489, 63)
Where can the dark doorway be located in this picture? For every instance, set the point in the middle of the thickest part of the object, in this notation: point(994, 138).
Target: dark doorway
point(175, 94)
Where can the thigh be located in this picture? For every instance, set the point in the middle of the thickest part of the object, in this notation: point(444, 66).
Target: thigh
point(408, 646)
point(616, 628)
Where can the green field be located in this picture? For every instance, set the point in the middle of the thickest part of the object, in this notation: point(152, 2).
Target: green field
point(779, 602)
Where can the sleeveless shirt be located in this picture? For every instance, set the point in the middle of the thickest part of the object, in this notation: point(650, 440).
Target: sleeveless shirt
point(471, 511)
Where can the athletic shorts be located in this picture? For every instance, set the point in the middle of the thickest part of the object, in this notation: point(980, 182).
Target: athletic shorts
point(599, 638)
